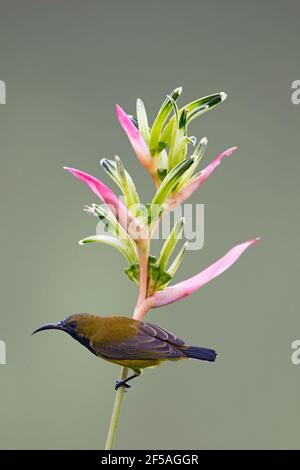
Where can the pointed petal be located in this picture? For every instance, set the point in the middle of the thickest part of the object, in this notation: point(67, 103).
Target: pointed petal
point(99, 188)
point(121, 212)
point(136, 140)
point(216, 162)
point(184, 193)
point(186, 288)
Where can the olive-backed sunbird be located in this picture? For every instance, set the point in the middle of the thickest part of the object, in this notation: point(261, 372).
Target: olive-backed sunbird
point(130, 343)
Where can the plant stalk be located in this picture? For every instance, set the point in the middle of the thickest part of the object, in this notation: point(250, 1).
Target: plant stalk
point(143, 252)
point(115, 417)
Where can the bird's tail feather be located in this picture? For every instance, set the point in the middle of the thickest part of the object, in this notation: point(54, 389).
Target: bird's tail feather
point(205, 354)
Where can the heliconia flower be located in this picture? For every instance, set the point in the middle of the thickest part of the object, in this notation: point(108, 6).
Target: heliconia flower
point(140, 147)
point(121, 212)
point(187, 287)
point(185, 192)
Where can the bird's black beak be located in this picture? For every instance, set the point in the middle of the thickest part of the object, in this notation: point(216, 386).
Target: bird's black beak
point(50, 326)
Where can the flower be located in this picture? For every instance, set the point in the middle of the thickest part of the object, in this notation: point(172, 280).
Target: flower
point(187, 287)
point(162, 150)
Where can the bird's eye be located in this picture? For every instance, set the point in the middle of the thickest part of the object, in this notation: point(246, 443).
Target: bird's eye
point(72, 324)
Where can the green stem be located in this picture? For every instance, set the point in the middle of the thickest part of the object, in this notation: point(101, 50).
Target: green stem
point(143, 252)
point(115, 417)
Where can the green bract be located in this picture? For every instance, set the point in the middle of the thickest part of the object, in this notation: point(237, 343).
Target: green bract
point(177, 261)
point(160, 120)
point(118, 237)
point(142, 121)
point(122, 178)
point(170, 244)
point(194, 109)
point(157, 277)
point(112, 241)
point(197, 155)
point(171, 180)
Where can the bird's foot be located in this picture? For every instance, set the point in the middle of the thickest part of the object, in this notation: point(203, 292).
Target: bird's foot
point(121, 383)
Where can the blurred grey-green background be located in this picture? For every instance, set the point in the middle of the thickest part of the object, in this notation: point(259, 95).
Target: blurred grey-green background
point(65, 64)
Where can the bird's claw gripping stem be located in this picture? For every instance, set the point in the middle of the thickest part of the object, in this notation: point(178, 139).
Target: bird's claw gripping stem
point(121, 383)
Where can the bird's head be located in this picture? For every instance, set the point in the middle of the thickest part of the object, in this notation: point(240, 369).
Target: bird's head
point(81, 326)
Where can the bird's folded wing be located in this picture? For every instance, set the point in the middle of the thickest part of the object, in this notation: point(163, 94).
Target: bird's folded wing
point(145, 345)
point(157, 331)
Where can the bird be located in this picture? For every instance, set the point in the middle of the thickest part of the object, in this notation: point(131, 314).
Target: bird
point(128, 342)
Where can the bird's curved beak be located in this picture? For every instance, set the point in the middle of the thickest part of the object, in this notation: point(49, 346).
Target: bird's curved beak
point(50, 326)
